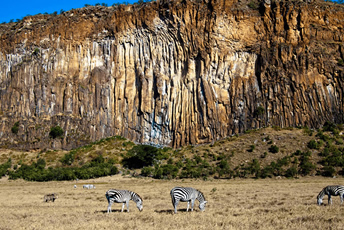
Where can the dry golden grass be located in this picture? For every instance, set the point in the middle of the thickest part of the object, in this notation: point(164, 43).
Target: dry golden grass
point(232, 204)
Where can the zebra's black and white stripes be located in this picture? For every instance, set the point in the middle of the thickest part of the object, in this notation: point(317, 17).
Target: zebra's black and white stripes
point(331, 190)
point(123, 196)
point(186, 194)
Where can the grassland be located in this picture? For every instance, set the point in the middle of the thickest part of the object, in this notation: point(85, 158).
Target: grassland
point(232, 204)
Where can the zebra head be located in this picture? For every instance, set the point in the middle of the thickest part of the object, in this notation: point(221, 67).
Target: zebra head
point(139, 205)
point(138, 200)
point(202, 205)
point(320, 197)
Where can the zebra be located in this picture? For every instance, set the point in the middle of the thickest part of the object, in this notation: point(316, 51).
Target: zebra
point(50, 197)
point(331, 190)
point(123, 196)
point(186, 194)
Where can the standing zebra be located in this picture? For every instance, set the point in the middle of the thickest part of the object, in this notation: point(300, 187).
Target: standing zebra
point(123, 196)
point(331, 190)
point(186, 194)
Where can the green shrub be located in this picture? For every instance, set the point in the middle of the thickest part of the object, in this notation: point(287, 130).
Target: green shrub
point(313, 144)
point(56, 131)
point(223, 169)
point(37, 171)
point(254, 168)
point(166, 171)
point(15, 128)
point(68, 158)
point(273, 149)
point(252, 148)
point(253, 5)
point(291, 172)
point(4, 167)
point(340, 62)
point(329, 126)
point(306, 166)
point(147, 171)
point(259, 111)
point(142, 155)
point(328, 171)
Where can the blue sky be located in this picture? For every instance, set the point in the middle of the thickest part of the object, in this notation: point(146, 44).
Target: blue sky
point(19, 9)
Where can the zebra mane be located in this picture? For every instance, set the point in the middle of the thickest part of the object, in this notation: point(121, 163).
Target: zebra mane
point(200, 193)
point(321, 193)
point(134, 193)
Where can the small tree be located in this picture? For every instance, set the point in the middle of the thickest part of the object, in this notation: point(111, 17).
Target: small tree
point(56, 131)
point(274, 149)
point(15, 128)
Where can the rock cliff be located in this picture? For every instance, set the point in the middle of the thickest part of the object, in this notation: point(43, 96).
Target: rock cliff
point(170, 73)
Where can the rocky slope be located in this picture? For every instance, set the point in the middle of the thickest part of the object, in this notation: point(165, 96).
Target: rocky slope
point(170, 73)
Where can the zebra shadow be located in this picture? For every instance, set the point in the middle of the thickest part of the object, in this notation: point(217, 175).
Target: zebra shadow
point(105, 211)
point(170, 211)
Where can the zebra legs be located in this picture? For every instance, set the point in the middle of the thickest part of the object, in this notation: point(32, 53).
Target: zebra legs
point(127, 202)
point(329, 199)
point(176, 204)
point(109, 207)
point(192, 204)
point(187, 209)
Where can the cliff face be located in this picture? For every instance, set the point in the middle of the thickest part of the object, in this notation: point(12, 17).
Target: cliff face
point(170, 73)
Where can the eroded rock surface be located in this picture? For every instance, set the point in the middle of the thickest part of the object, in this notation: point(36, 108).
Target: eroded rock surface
point(170, 73)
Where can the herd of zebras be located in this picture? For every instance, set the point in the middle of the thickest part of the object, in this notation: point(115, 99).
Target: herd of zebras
point(184, 194)
point(187, 194)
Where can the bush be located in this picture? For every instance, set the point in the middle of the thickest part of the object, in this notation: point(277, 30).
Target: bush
point(56, 131)
point(223, 169)
point(142, 155)
point(254, 168)
point(252, 148)
point(259, 111)
point(340, 62)
point(37, 172)
point(328, 171)
point(15, 128)
point(4, 167)
point(329, 126)
point(166, 171)
point(313, 144)
point(306, 166)
point(147, 171)
point(68, 158)
point(273, 149)
point(291, 172)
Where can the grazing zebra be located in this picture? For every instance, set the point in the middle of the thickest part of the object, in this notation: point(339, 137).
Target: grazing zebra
point(50, 197)
point(123, 196)
point(185, 194)
point(331, 190)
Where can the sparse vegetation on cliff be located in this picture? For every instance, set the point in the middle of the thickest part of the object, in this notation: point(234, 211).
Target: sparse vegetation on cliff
point(294, 153)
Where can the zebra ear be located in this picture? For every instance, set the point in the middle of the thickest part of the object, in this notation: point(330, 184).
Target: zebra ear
point(205, 201)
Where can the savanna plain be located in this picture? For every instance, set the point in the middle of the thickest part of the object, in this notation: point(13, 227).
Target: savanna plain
point(232, 204)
